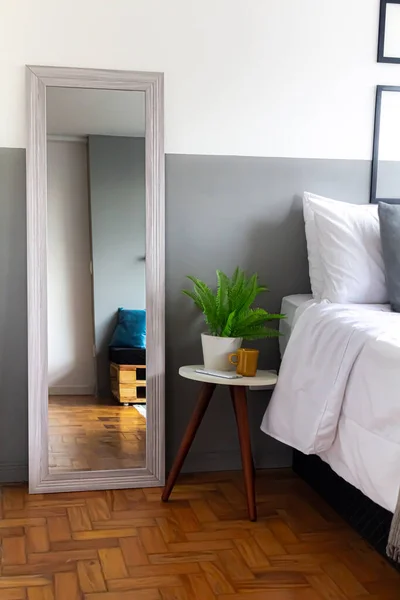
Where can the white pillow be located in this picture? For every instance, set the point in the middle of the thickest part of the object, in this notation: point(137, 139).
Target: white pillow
point(314, 261)
point(348, 245)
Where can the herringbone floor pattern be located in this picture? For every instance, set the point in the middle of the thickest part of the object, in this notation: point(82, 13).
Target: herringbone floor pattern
point(86, 435)
point(128, 545)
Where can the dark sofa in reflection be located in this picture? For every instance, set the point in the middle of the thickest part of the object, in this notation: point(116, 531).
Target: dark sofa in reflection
point(127, 356)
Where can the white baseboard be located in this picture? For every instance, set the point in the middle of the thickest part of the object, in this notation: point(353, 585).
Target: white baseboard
point(71, 390)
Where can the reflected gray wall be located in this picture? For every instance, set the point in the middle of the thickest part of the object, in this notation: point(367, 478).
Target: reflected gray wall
point(118, 216)
point(388, 182)
point(220, 212)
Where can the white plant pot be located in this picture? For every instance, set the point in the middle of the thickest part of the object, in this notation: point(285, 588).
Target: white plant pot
point(216, 351)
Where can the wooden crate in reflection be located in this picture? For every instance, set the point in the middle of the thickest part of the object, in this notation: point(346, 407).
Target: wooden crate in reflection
point(128, 383)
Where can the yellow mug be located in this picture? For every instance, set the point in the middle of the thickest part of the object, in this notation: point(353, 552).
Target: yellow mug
point(246, 360)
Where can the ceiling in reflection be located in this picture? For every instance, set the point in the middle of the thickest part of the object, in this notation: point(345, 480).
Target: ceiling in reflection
point(78, 111)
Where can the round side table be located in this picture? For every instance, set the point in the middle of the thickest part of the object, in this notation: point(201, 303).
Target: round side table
point(237, 389)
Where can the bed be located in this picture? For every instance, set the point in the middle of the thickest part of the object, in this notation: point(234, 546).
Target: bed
point(289, 307)
point(336, 355)
point(337, 398)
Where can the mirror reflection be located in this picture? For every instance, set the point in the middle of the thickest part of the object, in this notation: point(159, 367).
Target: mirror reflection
point(96, 279)
point(388, 175)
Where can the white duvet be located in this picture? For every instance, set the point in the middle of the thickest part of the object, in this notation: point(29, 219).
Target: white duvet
point(338, 394)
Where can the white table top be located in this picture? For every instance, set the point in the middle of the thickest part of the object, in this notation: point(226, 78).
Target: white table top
point(263, 378)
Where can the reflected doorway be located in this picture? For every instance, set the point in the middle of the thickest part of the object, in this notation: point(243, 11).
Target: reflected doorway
point(96, 279)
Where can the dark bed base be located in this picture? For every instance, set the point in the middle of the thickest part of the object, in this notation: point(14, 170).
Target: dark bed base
point(371, 521)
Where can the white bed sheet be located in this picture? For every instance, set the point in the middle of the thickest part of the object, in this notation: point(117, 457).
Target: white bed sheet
point(338, 394)
point(289, 306)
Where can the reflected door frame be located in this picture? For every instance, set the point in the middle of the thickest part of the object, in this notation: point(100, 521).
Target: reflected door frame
point(38, 79)
point(375, 151)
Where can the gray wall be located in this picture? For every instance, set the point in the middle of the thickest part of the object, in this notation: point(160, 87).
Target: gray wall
point(220, 212)
point(388, 183)
point(118, 216)
point(223, 212)
point(13, 311)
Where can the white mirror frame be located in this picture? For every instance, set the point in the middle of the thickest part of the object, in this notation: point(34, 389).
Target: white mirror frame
point(38, 78)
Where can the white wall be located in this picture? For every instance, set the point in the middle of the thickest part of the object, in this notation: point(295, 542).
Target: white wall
point(289, 78)
point(70, 307)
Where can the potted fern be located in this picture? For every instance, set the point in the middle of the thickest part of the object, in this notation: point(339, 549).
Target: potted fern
point(230, 316)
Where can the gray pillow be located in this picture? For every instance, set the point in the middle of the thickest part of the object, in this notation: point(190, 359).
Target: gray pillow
point(389, 219)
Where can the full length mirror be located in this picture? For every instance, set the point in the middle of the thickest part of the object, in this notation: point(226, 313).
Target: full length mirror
point(95, 279)
point(96, 232)
point(386, 153)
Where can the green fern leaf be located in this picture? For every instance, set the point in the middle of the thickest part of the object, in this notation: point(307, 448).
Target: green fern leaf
point(208, 302)
point(236, 288)
point(261, 333)
point(272, 316)
point(195, 299)
point(247, 295)
point(227, 330)
point(222, 298)
point(228, 311)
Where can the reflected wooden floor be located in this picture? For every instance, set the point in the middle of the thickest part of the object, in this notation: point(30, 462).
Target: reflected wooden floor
point(85, 434)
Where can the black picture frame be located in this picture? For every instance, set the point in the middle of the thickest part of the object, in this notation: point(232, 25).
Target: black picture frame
point(375, 151)
point(382, 33)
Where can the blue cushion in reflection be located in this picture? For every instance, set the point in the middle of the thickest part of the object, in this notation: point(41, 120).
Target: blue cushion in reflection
point(130, 331)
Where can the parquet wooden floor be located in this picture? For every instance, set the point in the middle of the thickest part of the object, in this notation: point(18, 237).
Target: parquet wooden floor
point(87, 435)
point(128, 545)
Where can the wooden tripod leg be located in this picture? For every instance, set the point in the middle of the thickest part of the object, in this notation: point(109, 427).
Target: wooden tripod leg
point(206, 392)
point(236, 416)
point(239, 400)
